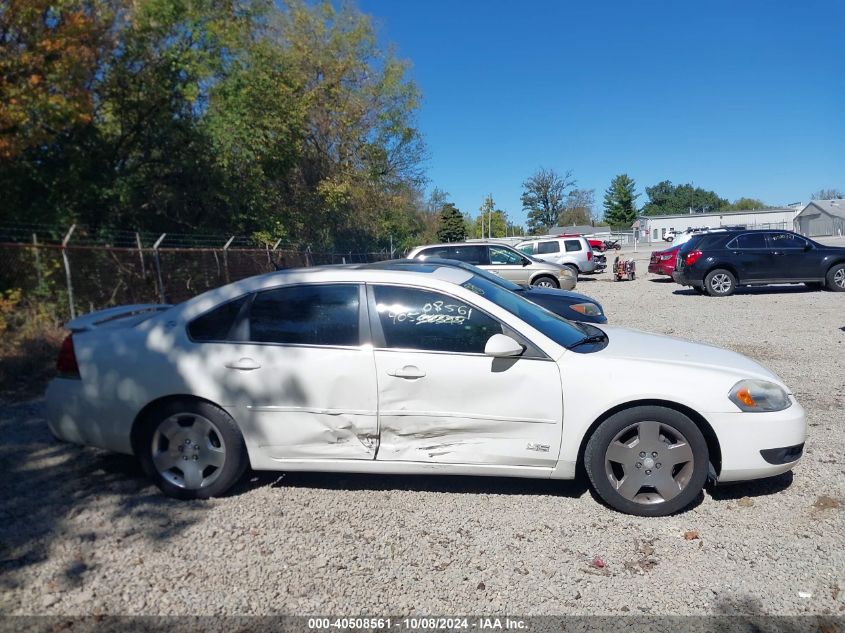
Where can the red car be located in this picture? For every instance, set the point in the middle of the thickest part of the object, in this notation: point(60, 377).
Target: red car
point(663, 262)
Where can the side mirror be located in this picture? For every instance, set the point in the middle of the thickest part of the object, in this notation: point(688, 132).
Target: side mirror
point(502, 346)
point(808, 246)
point(525, 261)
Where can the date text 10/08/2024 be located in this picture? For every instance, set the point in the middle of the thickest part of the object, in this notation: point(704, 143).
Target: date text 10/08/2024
point(417, 624)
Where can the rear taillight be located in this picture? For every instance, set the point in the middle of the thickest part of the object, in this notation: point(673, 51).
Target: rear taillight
point(589, 256)
point(66, 362)
point(692, 257)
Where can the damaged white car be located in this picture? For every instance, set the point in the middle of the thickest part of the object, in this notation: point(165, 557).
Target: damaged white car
point(428, 369)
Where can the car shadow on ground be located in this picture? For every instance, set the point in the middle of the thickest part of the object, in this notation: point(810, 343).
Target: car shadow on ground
point(662, 280)
point(457, 484)
point(794, 289)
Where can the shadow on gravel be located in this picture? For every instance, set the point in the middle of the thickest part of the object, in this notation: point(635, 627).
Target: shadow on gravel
point(50, 489)
point(754, 488)
point(662, 280)
point(793, 289)
point(416, 483)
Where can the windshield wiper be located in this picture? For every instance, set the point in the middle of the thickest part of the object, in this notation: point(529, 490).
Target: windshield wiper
point(595, 338)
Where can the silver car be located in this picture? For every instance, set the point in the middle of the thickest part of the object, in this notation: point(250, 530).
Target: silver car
point(573, 251)
point(503, 261)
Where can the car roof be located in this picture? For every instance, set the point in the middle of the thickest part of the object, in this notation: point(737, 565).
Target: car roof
point(447, 244)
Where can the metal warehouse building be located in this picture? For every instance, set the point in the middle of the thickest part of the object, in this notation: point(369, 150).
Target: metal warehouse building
point(821, 217)
point(652, 228)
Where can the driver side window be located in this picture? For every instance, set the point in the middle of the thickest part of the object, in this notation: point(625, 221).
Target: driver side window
point(504, 257)
point(424, 320)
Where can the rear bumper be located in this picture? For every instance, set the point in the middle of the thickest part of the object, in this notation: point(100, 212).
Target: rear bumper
point(73, 417)
point(660, 268)
point(683, 278)
point(756, 445)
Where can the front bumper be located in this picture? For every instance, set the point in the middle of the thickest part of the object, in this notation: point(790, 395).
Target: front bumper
point(751, 442)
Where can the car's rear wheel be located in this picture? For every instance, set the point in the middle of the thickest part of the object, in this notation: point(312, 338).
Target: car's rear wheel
point(647, 461)
point(720, 283)
point(836, 278)
point(191, 449)
point(545, 282)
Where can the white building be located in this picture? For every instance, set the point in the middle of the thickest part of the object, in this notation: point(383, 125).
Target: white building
point(653, 228)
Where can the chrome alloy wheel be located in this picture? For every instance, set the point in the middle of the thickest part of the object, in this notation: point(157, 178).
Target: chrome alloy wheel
point(649, 462)
point(721, 283)
point(545, 283)
point(188, 450)
point(839, 278)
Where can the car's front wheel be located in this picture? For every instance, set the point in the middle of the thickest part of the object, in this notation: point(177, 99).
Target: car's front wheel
point(191, 449)
point(647, 461)
point(545, 282)
point(720, 283)
point(836, 278)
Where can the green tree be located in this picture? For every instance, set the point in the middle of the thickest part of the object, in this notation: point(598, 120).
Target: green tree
point(578, 209)
point(668, 199)
point(500, 224)
point(451, 227)
point(209, 115)
point(619, 202)
point(745, 204)
point(544, 197)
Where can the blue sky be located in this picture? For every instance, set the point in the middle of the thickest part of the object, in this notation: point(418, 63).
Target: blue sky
point(745, 97)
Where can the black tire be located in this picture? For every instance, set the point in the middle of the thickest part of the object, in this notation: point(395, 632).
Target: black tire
point(720, 283)
point(649, 502)
point(215, 480)
point(553, 283)
point(836, 278)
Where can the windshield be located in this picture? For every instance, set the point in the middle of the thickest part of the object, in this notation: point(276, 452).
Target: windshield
point(561, 331)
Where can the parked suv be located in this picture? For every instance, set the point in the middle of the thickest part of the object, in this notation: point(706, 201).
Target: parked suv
point(716, 263)
point(572, 251)
point(504, 261)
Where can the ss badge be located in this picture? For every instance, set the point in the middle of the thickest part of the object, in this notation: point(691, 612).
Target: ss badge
point(541, 448)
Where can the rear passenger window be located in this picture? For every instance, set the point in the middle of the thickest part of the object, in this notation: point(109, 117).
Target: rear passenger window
point(751, 240)
point(216, 325)
point(544, 248)
point(527, 248)
point(425, 320)
point(471, 254)
point(572, 245)
point(787, 240)
point(306, 315)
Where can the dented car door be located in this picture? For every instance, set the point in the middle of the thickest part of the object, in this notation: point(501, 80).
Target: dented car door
point(303, 382)
point(441, 399)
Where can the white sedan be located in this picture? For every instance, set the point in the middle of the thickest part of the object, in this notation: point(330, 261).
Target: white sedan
point(426, 369)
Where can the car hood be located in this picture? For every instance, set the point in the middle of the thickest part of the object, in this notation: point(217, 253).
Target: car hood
point(646, 347)
point(553, 292)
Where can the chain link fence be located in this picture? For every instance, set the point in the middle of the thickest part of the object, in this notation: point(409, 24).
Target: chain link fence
point(79, 278)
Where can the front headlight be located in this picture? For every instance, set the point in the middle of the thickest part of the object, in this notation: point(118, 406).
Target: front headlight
point(759, 396)
point(565, 272)
point(590, 309)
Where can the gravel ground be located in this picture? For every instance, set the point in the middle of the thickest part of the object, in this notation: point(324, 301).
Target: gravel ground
point(82, 532)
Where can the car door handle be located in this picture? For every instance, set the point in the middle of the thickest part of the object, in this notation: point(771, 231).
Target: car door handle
point(408, 371)
point(244, 364)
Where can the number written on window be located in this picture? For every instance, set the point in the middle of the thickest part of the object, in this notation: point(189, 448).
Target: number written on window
point(424, 320)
